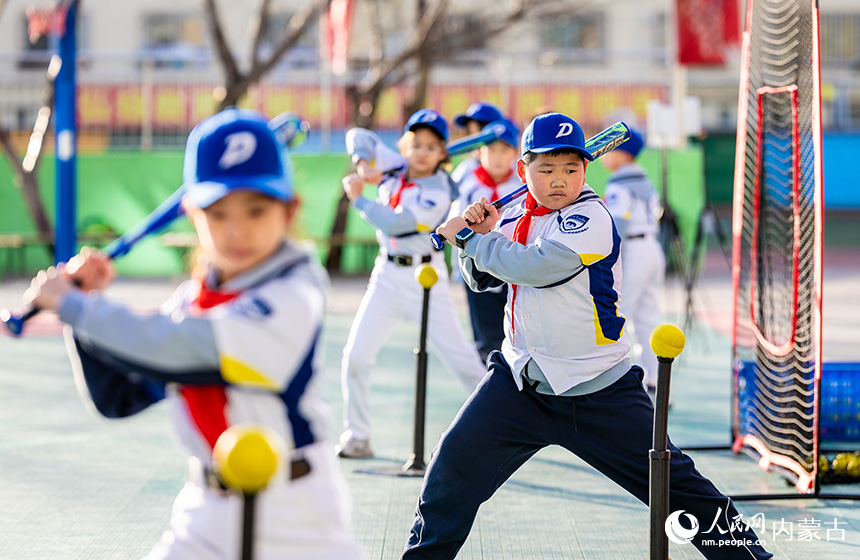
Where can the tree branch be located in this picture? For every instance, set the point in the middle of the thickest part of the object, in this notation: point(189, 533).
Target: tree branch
point(297, 27)
point(377, 75)
point(262, 28)
point(217, 32)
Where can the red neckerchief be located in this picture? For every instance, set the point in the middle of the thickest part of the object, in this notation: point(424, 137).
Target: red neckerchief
point(394, 201)
point(207, 404)
point(484, 177)
point(521, 235)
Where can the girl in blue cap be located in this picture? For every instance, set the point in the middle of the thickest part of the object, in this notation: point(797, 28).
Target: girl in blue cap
point(563, 376)
point(413, 197)
point(237, 343)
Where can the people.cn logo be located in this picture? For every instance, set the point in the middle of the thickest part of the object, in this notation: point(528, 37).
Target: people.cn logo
point(676, 532)
point(564, 129)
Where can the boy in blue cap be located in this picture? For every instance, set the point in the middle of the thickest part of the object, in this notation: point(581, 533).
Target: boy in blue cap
point(493, 179)
point(236, 343)
point(635, 206)
point(476, 117)
point(563, 375)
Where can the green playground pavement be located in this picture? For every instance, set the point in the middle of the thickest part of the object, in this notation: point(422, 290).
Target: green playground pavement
point(73, 486)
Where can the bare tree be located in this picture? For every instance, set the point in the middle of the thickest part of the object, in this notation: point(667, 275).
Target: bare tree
point(429, 43)
point(237, 80)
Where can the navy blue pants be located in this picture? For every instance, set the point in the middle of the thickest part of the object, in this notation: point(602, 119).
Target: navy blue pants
point(500, 428)
point(487, 313)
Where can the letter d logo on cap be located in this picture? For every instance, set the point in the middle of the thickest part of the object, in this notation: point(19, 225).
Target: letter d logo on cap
point(564, 130)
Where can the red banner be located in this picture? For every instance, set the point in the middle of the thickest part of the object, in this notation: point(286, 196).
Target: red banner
point(706, 29)
point(336, 25)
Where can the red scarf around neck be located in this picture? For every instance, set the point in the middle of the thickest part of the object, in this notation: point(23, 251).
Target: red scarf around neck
point(394, 201)
point(485, 178)
point(207, 404)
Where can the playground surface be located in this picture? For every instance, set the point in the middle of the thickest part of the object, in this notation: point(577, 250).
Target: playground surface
point(77, 487)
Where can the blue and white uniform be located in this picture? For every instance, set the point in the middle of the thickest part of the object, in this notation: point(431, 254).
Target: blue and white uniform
point(243, 351)
point(404, 214)
point(635, 206)
point(563, 377)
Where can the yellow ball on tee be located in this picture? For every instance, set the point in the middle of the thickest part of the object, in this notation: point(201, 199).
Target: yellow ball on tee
point(426, 275)
point(247, 455)
point(667, 341)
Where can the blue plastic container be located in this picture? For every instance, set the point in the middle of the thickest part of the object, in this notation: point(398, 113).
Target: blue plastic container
point(840, 400)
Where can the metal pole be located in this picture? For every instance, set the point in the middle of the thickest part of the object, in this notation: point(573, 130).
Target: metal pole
point(659, 457)
point(248, 507)
point(416, 460)
point(65, 229)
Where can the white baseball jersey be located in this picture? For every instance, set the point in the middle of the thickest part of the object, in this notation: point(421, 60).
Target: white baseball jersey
point(633, 201)
point(248, 353)
point(405, 211)
point(635, 206)
point(566, 315)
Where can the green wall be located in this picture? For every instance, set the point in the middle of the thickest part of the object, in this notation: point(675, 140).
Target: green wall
point(116, 190)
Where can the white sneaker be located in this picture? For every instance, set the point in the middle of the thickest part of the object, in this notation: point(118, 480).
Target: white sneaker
point(353, 448)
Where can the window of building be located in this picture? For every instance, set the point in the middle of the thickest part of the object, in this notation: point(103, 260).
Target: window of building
point(840, 40)
point(173, 38)
point(304, 52)
point(585, 32)
point(466, 32)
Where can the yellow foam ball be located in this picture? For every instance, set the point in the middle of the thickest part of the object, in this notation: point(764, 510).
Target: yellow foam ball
point(853, 468)
point(426, 275)
point(840, 463)
point(823, 464)
point(247, 455)
point(667, 341)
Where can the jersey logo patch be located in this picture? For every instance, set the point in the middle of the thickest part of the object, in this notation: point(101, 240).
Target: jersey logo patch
point(426, 203)
point(575, 223)
point(240, 147)
point(255, 309)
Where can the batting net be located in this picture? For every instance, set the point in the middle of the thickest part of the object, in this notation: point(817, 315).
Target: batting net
point(777, 229)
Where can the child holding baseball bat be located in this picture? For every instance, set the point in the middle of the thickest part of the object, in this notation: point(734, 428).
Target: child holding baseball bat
point(413, 197)
point(563, 376)
point(238, 344)
point(493, 178)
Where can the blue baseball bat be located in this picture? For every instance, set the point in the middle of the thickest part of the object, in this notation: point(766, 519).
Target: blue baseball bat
point(475, 141)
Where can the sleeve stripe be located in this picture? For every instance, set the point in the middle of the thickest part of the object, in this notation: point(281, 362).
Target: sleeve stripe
point(235, 372)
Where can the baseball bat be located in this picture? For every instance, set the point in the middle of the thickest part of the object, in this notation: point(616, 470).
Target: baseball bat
point(290, 131)
point(602, 142)
point(475, 141)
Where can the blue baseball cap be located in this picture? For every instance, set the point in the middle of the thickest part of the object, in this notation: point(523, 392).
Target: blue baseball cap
point(480, 112)
point(632, 145)
point(509, 134)
point(554, 131)
point(430, 119)
point(234, 150)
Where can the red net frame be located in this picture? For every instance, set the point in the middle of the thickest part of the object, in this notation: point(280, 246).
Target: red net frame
point(772, 347)
point(748, 339)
